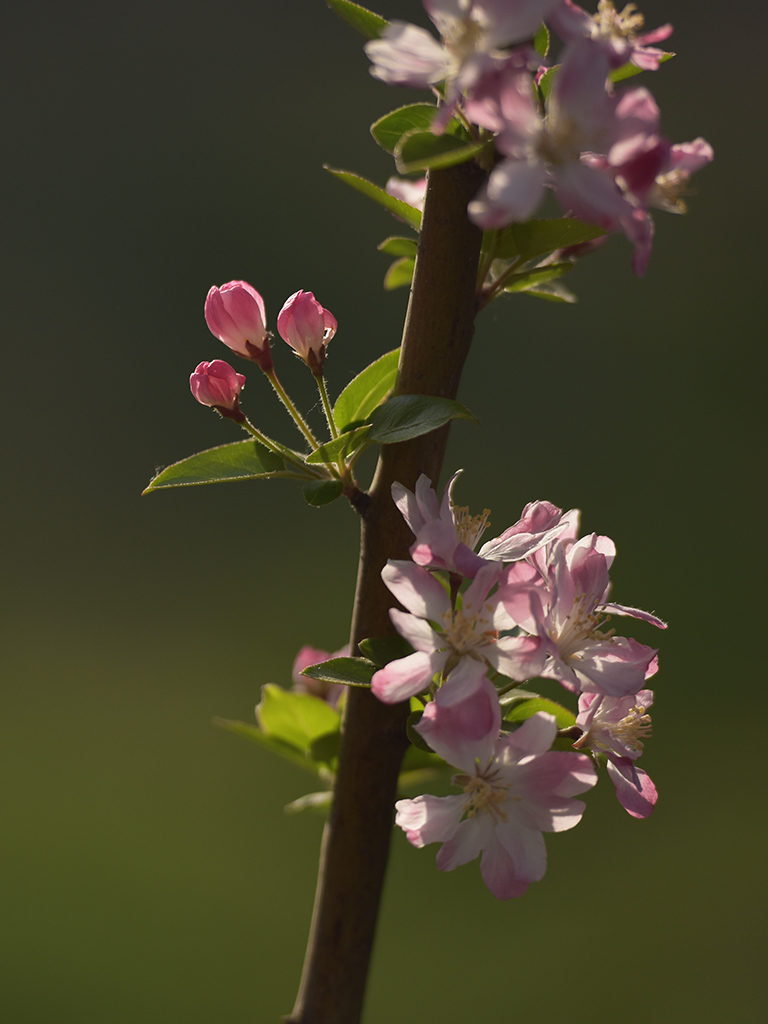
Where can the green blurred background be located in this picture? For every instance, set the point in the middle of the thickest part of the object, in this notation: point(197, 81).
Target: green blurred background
point(149, 872)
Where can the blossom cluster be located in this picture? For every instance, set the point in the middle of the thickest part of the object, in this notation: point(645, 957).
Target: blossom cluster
point(530, 604)
point(562, 126)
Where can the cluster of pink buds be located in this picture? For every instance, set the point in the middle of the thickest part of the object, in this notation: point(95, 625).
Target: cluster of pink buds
point(563, 127)
point(530, 604)
point(235, 314)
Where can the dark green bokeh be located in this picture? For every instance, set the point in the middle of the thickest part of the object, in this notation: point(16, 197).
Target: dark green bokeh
point(149, 872)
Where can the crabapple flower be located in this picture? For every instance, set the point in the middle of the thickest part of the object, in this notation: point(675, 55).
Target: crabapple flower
point(567, 609)
point(235, 315)
point(509, 798)
point(218, 385)
point(446, 534)
point(472, 31)
point(307, 327)
point(329, 692)
point(617, 32)
point(615, 727)
point(462, 648)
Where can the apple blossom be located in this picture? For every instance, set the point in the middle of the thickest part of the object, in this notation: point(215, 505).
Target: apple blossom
point(565, 604)
point(615, 727)
point(217, 384)
point(509, 798)
point(446, 534)
point(235, 315)
point(465, 644)
point(617, 32)
point(307, 327)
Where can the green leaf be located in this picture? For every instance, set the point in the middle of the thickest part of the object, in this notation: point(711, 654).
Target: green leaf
point(418, 150)
point(552, 291)
point(341, 447)
point(298, 719)
point(541, 40)
point(382, 650)
point(311, 802)
point(406, 416)
point(528, 279)
point(515, 695)
point(409, 214)
point(362, 20)
point(400, 274)
point(396, 246)
point(366, 391)
point(538, 238)
point(347, 671)
point(390, 128)
point(322, 492)
point(547, 80)
point(527, 708)
point(630, 70)
point(242, 460)
point(255, 735)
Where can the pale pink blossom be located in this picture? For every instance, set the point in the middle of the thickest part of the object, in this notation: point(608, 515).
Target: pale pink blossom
point(307, 327)
point(566, 605)
point(235, 315)
point(616, 727)
point(472, 33)
point(217, 384)
point(510, 796)
point(446, 534)
point(465, 644)
point(617, 32)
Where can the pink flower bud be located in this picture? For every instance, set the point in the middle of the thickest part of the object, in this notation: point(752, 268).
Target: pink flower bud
point(218, 385)
point(235, 315)
point(307, 328)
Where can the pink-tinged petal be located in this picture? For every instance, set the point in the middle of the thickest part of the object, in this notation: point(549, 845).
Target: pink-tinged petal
point(518, 657)
point(416, 631)
point(435, 545)
point(541, 523)
point(616, 667)
point(235, 315)
point(635, 790)
point(462, 682)
point(416, 589)
point(429, 819)
point(500, 871)
point(535, 736)
point(472, 835)
point(408, 55)
point(636, 613)
point(408, 506)
point(689, 157)
point(478, 590)
point(525, 846)
point(406, 677)
point(512, 193)
point(464, 732)
point(411, 192)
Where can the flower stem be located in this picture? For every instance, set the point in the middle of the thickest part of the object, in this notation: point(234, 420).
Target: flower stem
point(320, 381)
point(298, 419)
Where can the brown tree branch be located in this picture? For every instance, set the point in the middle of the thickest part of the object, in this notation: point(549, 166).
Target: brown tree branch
point(436, 339)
